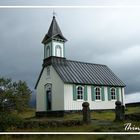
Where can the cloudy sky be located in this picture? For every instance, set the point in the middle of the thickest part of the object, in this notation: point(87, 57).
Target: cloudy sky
point(104, 35)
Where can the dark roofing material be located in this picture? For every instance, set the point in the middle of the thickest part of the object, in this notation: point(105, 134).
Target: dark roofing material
point(54, 31)
point(86, 73)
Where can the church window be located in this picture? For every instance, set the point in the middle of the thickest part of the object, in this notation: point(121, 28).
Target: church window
point(48, 51)
point(58, 51)
point(113, 94)
point(97, 93)
point(80, 92)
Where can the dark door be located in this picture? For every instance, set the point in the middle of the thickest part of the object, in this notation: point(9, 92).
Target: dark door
point(49, 100)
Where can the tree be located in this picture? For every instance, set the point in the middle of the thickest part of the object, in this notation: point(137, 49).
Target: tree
point(14, 95)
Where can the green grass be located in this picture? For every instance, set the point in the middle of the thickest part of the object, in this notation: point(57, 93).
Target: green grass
point(102, 121)
point(130, 110)
point(97, 115)
point(28, 113)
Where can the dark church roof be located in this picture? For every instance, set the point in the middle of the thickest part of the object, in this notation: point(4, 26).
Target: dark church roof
point(76, 72)
point(86, 73)
point(54, 32)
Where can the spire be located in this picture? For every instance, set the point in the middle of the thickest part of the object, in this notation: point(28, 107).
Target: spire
point(54, 31)
point(54, 28)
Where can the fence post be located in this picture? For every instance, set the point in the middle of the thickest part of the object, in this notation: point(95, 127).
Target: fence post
point(86, 113)
point(119, 111)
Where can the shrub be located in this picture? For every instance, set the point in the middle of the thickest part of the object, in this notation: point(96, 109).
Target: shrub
point(8, 121)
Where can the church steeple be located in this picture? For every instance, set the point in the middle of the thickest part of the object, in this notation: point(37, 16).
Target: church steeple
point(54, 41)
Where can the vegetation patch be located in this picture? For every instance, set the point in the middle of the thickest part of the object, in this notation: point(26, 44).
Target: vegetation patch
point(49, 124)
point(133, 117)
point(9, 121)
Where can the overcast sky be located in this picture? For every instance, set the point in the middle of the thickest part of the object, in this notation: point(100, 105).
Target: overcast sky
point(109, 36)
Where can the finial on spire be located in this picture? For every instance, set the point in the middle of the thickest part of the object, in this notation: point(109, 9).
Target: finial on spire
point(54, 14)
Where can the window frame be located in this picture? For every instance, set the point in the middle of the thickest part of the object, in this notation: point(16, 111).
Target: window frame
point(96, 94)
point(48, 53)
point(56, 50)
point(115, 94)
point(82, 94)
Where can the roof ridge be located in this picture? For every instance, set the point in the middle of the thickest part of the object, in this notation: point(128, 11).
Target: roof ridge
point(86, 62)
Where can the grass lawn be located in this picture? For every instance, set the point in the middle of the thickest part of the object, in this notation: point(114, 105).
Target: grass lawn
point(130, 110)
point(102, 121)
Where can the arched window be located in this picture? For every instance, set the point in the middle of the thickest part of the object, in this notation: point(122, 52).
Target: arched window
point(58, 51)
point(48, 51)
point(97, 93)
point(80, 92)
point(113, 93)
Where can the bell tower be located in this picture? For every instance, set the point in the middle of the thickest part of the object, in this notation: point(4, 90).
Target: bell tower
point(54, 41)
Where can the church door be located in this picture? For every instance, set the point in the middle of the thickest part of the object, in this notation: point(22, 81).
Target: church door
point(48, 89)
point(49, 99)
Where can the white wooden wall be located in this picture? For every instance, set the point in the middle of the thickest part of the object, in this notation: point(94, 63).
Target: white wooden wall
point(70, 104)
point(57, 91)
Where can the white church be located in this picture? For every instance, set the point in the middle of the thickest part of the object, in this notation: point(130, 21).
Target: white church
point(63, 85)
